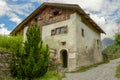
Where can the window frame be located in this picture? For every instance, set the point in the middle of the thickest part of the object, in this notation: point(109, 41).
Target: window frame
point(59, 30)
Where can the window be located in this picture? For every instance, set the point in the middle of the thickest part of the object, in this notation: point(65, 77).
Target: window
point(56, 12)
point(97, 42)
point(59, 30)
point(82, 32)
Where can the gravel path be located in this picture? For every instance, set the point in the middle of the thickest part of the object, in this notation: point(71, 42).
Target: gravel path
point(102, 72)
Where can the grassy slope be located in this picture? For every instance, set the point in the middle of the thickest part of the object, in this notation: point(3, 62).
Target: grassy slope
point(118, 71)
point(50, 75)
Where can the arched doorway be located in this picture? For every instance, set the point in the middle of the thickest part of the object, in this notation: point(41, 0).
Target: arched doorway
point(64, 58)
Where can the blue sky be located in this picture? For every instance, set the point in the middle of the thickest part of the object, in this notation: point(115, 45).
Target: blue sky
point(106, 13)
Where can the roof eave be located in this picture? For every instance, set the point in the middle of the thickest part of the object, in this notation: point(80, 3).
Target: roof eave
point(34, 13)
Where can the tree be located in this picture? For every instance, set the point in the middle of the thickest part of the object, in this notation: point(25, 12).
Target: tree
point(34, 62)
point(117, 38)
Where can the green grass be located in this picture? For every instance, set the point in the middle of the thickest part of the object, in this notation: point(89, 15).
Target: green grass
point(10, 43)
point(50, 75)
point(85, 68)
point(118, 71)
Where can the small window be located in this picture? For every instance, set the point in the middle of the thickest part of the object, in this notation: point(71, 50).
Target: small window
point(59, 30)
point(82, 32)
point(97, 42)
point(55, 13)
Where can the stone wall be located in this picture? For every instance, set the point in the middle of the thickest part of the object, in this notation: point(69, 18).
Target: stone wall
point(5, 61)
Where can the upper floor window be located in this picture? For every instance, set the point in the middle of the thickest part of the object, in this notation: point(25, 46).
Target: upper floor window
point(56, 13)
point(59, 30)
point(82, 32)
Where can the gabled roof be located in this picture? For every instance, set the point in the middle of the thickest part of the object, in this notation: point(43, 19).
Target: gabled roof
point(75, 7)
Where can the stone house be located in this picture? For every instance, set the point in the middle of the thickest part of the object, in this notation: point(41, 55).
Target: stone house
point(73, 37)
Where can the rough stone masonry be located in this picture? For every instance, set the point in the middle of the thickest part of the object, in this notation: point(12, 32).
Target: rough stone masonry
point(5, 61)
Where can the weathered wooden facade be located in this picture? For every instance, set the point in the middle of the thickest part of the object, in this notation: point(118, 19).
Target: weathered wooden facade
point(68, 30)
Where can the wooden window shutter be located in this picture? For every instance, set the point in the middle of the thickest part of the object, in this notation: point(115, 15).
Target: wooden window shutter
point(65, 29)
point(53, 32)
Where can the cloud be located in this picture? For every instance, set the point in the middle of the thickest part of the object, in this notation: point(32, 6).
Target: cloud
point(100, 20)
point(111, 29)
point(3, 7)
point(6, 10)
point(86, 4)
point(3, 30)
point(13, 17)
point(104, 12)
point(24, 10)
point(14, 0)
point(16, 19)
point(14, 11)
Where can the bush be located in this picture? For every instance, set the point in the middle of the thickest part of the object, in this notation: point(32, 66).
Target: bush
point(34, 62)
point(117, 38)
point(112, 49)
point(11, 43)
point(118, 71)
point(50, 75)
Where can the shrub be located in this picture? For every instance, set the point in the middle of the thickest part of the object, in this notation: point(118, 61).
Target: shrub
point(34, 62)
point(112, 49)
point(117, 38)
point(10, 43)
point(118, 71)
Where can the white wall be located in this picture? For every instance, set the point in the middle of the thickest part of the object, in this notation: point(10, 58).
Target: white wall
point(69, 37)
point(88, 53)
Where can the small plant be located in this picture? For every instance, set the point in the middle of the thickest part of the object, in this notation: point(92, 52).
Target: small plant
point(34, 62)
point(10, 43)
point(50, 75)
point(118, 72)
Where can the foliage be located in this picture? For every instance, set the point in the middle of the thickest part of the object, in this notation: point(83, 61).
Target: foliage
point(117, 38)
point(112, 49)
point(11, 43)
point(106, 42)
point(34, 62)
point(50, 75)
point(118, 72)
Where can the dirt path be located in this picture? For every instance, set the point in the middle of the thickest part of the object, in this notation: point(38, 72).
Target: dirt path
point(102, 72)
